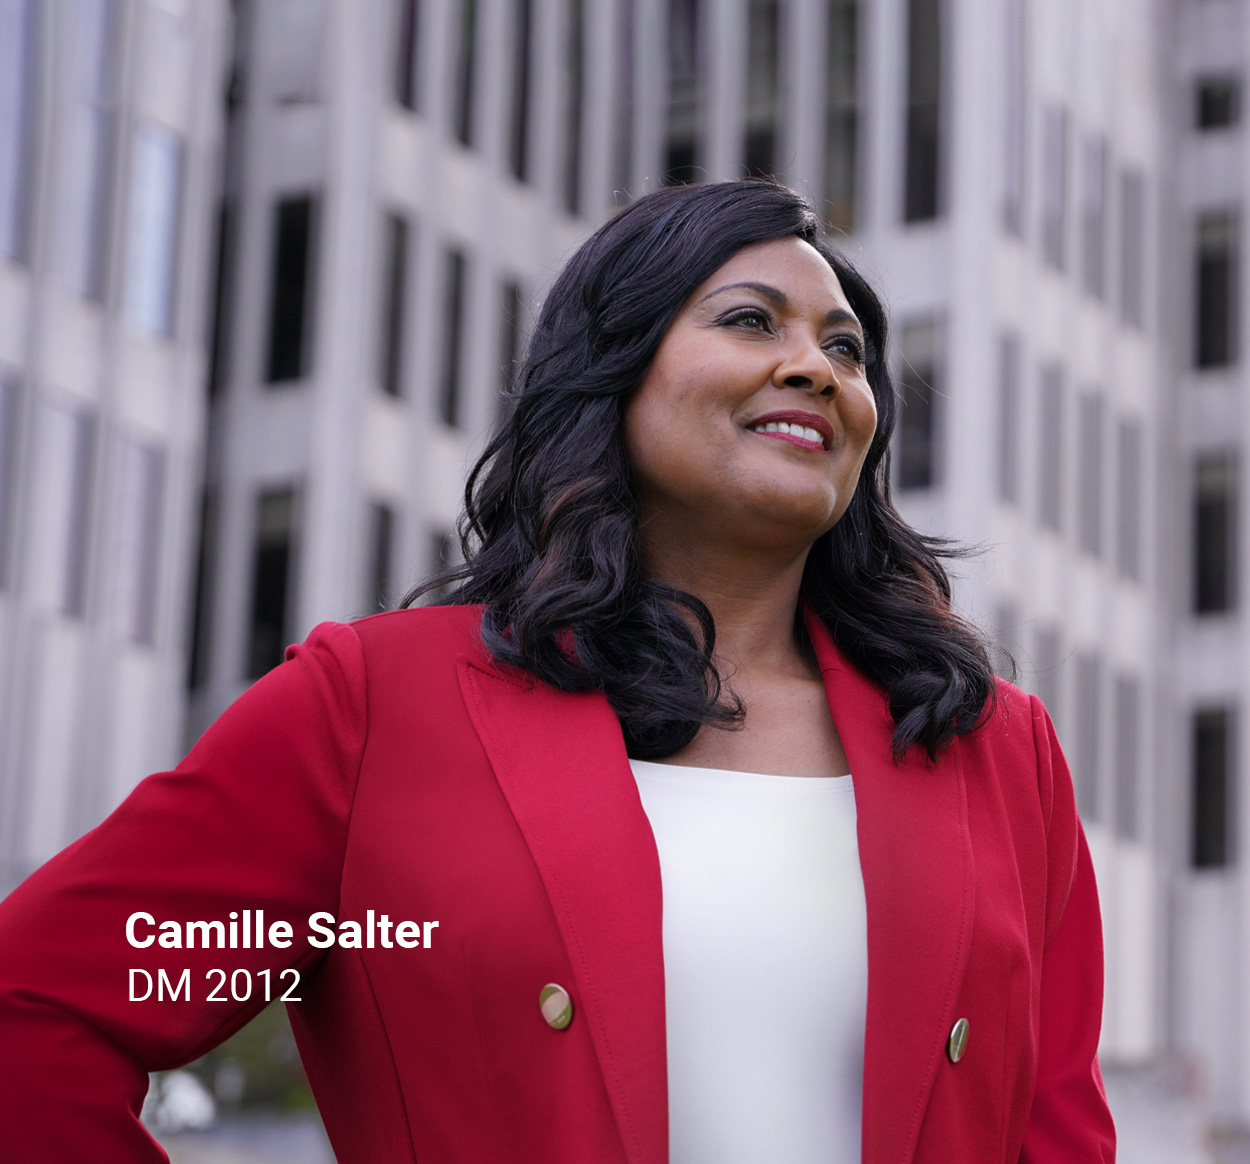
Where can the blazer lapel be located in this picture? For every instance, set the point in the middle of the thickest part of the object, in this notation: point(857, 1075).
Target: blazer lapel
point(560, 760)
point(915, 852)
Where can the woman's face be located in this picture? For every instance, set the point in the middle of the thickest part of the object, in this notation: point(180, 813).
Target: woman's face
point(769, 340)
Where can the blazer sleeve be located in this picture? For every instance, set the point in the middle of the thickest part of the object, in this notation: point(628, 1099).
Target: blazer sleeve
point(255, 817)
point(1069, 1122)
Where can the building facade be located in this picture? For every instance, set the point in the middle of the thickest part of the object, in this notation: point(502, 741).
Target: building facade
point(110, 144)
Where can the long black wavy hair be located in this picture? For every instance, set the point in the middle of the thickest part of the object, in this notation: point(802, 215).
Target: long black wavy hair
point(549, 532)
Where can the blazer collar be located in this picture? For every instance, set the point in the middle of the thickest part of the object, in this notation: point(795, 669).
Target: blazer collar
point(561, 763)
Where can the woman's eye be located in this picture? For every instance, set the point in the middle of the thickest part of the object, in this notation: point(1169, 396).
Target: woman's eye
point(750, 318)
point(847, 346)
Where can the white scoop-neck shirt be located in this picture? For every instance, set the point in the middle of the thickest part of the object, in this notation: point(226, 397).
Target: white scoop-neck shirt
point(765, 963)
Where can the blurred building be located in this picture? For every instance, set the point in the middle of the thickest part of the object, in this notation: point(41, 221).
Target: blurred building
point(110, 144)
point(1047, 194)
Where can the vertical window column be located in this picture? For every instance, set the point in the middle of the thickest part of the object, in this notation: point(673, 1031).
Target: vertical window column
point(841, 112)
point(1215, 541)
point(1129, 490)
point(1129, 780)
point(1048, 661)
point(575, 96)
point(512, 309)
point(626, 64)
point(1212, 735)
point(465, 61)
point(1014, 117)
point(137, 547)
point(152, 228)
point(381, 556)
point(65, 468)
point(919, 448)
point(763, 69)
point(519, 106)
point(684, 120)
point(1132, 248)
point(1088, 766)
point(1089, 473)
point(406, 78)
point(922, 168)
point(273, 575)
point(10, 418)
point(292, 289)
point(1215, 289)
point(1094, 169)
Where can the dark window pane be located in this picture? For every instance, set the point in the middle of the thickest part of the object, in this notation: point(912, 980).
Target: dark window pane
point(510, 320)
point(442, 553)
point(223, 298)
point(82, 470)
point(272, 577)
point(1090, 484)
point(394, 304)
point(202, 609)
point(1049, 662)
point(1215, 534)
point(1087, 768)
point(465, 60)
point(1132, 248)
point(1212, 811)
point(453, 322)
point(1215, 298)
point(685, 102)
point(623, 154)
point(382, 539)
point(519, 108)
point(1009, 418)
point(1128, 758)
point(763, 46)
point(1128, 548)
point(1050, 454)
point(919, 431)
point(19, 61)
point(1014, 118)
point(1055, 187)
point(923, 129)
point(1095, 168)
point(291, 303)
point(841, 113)
point(407, 44)
point(10, 418)
point(1218, 103)
point(575, 97)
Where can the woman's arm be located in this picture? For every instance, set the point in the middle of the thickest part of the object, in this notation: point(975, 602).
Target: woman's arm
point(255, 818)
point(1070, 1122)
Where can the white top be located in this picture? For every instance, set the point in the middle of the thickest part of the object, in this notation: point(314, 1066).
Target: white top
point(765, 963)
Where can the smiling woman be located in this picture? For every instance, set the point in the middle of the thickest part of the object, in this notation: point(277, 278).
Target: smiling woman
point(739, 850)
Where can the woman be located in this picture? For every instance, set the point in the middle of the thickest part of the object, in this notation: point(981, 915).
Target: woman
point(680, 550)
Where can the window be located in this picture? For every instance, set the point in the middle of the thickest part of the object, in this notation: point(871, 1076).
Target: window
point(19, 56)
point(223, 297)
point(1055, 187)
point(152, 228)
point(1217, 102)
point(1014, 117)
point(1087, 769)
point(1132, 248)
point(443, 552)
point(841, 113)
point(1094, 170)
point(395, 244)
point(272, 580)
point(464, 60)
point(1006, 626)
point(453, 323)
point(136, 549)
point(381, 553)
point(202, 618)
point(91, 123)
point(406, 80)
point(296, 50)
point(1212, 787)
point(574, 98)
point(519, 110)
point(920, 421)
point(1090, 457)
point(685, 101)
point(623, 151)
point(922, 133)
point(510, 321)
point(762, 73)
point(1009, 418)
point(1128, 758)
point(10, 418)
point(1128, 528)
point(1050, 458)
point(292, 283)
point(1049, 662)
point(66, 467)
point(1215, 552)
point(1215, 290)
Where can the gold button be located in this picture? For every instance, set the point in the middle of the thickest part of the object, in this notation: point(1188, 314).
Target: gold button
point(556, 1005)
point(958, 1042)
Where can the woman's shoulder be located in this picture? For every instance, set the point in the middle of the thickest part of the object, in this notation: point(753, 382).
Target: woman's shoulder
point(424, 636)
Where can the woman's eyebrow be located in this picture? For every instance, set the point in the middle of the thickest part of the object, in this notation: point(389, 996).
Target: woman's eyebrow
point(778, 299)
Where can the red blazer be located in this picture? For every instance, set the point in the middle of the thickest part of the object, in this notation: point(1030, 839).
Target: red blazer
point(391, 766)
